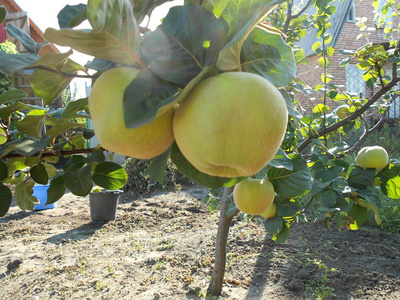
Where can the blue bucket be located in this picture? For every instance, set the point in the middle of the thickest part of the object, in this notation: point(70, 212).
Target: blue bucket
point(40, 192)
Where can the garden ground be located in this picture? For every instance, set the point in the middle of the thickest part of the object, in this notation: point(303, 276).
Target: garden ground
point(161, 246)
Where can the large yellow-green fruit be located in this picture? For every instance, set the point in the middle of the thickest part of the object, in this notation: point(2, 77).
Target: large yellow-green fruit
point(253, 196)
point(372, 157)
point(105, 105)
point(270, 212)
point(231, 124)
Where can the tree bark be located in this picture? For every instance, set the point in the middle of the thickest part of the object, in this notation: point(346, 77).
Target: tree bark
point(217, 277)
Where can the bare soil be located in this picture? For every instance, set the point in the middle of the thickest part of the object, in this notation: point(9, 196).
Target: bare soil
point(162, 246)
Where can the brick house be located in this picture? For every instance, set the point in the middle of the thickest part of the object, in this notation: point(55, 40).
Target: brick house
point(344, 31)
point(19, 18)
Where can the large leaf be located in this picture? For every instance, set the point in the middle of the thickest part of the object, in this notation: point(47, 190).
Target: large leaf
point(188, 40)
point(11, 63)
point(187, 169)
point(101, 44)
point(74, 107)
point(266, 54)
point(145, 7)
point(32, 125)
point(71, 15)
point(25, 39)
point(48, 85)
point(291, 183)
point(115, 17)
point(56, 190)
point(39, 174)
point(109, 175)
point(23, 195)
point(62, 127)
point(25, 146)
point(281, 160)
point(391, 187)
point(79, 182)
point(11, 95)
point(361, 178)
point(242, 16)
point(145, 96)
point(5, 199)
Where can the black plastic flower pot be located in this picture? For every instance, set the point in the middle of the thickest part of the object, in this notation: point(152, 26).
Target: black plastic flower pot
point(103, 205)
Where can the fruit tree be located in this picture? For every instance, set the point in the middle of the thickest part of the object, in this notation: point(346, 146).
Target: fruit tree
point(214, 88)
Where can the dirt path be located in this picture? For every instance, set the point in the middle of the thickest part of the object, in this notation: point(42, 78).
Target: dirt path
point(162, 247)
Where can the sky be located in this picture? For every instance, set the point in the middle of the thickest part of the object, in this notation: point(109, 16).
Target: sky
point(44, 14)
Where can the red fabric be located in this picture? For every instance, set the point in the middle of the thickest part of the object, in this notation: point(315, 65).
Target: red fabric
point(3, 33)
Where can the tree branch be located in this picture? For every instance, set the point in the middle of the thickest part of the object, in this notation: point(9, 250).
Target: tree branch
point(58, 153)
point(352, 117)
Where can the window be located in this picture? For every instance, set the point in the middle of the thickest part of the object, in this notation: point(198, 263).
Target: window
point(354, 82)
point(351, 13)
point(384, 13)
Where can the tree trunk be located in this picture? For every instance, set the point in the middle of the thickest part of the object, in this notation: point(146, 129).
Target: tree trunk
point(217, 277)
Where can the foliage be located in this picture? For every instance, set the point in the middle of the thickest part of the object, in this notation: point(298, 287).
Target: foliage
point(6, 82)
point(196, 41)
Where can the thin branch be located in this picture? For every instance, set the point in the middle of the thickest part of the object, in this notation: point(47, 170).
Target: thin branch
point(58, 153)
point(352, 117)
point(64, 74)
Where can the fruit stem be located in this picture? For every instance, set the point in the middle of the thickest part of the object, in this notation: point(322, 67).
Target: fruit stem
point(217, 277)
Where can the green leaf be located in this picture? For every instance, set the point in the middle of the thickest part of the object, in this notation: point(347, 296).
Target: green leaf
point(96, 156)
point(281, 160)
point(100, 44)
point(32, 125)
point(79, 182)
point(74, 163)
point(23, 195)
point(273, 225)
point(109, 175)
point(11, 63)
point(187, 169)
point(328, 199)
point(267, 54)
point(144, 96)
point(283, 235)
point(71, 15)
point(145, 7)
point(49, 85)
point(115, 17)
point(329, 174)
point(242, 16)
point(11, 95)
point(391, 187)
point(56, 190)
point(73, 107)
point(361, 178)
point(359, 215)
point(3, 13)
point(194, 46)
point(157, 167)
point(3, 170)
point(286, 207)
point(25, 39)
point(28, 147)
point(340, 185)
point(39, 174)
point(291, 183)
point(61, 127)
point(5, 199)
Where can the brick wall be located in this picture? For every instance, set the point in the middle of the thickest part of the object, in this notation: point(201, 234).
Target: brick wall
point(311, 74)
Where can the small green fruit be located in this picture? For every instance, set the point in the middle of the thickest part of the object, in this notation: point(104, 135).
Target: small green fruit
point(342, 111)
point(253, 196)
point(270, 212)
point(372, 157)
